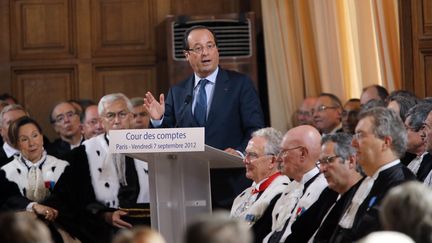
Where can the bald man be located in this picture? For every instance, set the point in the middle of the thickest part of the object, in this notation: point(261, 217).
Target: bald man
point(373, 92)
point(300, 150)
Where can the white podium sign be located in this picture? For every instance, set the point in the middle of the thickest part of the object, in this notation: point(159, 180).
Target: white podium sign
point(157, 140)
point(179, 178)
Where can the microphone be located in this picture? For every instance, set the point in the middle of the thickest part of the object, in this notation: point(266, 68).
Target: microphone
point(186, 102)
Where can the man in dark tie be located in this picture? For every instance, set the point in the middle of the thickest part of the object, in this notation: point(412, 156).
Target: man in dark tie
point(224, 102)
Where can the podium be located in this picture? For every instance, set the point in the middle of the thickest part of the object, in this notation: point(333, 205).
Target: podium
point(180, 186)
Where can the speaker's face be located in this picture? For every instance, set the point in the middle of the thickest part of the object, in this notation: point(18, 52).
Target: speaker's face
point(203, 55)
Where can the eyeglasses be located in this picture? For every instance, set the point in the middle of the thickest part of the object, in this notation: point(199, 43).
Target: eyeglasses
point(283, 153)
point(200, 49)
point(253, 156)
point(326, 160)
point(324, 107)
point(61, 117)
point(110, 116)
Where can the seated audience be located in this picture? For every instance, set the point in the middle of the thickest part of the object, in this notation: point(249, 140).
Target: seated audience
point(108, 183)
point(32, 170)
point(401, 105)
point(350, 115)
point(407, 209)
point(3, 104)
point(380, 140)
point(339, 165)
point(91, 122)
point(255, 204)
point(300, 149)
point(304, 113)
point(372, 104)
point(66, 121)
point(140, 234)
point(418, 160)
point(401, 92)
point(373, 92)
point(427, 100)
point(140, 118)
point(8, 115)
point(9, 99)
point(328, 113)
point(427, 130)
point(77, 105)
point(218, 228)
point(23, 228)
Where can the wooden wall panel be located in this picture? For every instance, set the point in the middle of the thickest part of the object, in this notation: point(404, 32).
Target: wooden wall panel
point(43, 29)
point(427, 17)
point(130, 80)
point(428, 71)
point(122, 27)
point(416, 45)
point(38, 89)
point(197, 7)
point(52, 50)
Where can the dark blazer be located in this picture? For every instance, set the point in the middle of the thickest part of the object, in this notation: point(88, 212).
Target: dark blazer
point(235, 110)
point(306, 224)
point(330, 222)
point(3, 157)
point(425, 167)
point(235, 113)
point(262, 227)
point(59, 148)
point(367, 217)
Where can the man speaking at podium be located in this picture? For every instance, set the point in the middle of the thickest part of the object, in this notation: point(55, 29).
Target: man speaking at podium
point(224, 102)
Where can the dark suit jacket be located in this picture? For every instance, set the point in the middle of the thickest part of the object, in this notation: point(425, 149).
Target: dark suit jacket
point(330, 223)
point(235, 113)
point(262, 227)
point(235, 110)
point(367, 217)
point(306, 224)
point(3, 158)
point(425, 167)
point(58, 148)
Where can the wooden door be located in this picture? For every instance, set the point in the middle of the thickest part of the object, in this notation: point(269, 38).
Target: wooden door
point(416, 45)
point(55, 50)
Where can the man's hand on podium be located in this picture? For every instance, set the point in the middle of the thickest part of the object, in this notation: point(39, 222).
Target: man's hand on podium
point(114, 219)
